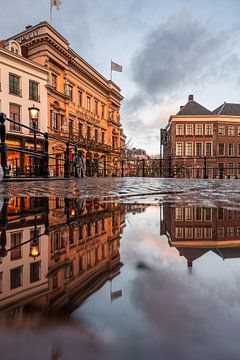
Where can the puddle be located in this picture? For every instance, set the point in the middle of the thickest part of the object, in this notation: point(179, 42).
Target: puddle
point(146, 277)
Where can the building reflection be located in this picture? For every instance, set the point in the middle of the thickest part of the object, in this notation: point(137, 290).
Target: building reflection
point(194, 231)
point(56, 252)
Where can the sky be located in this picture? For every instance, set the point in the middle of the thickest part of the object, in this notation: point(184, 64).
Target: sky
point(168, 50)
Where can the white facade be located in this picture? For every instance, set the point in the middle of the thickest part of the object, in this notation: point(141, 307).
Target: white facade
point(28, 72)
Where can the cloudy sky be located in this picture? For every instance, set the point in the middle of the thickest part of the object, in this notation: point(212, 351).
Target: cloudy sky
point(169, 49)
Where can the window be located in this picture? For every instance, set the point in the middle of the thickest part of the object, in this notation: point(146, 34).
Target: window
point(221, 130)
point(208, 214)
point(208, 149)
point(33, 90)
point(221, 149)
point(230, 231)
point(238, 149)
point(16, 277)
point(188, 214)
point(198, 232)
point(179, 214)
point(231, 130)
point(96, 135)
point(179, 129)
point(89, 231)
point(88, 103)
point(80, 98)
point(14, 84)
point(35, 271)
point(199, 129)
point(179, 149)
point(230, 169)
point(220, 232)
point(189, 129)
point(238, 130)
point(70, 87)
point(54, 81)
point(16, 252)
point(188, 233)
point(103, 137)
point(189, 149)
point(88, 133)
point(80, 130)
point(71, 126)
point(198, 214)
point(55, 122)
point(208, 233)
point(220, 214)
point(179, 232)
point(95, 107)
point(230, 214)
point(103, 111)
point(14, 115)
point(208, 129)
point(238, 231)
point(230, 149)
point(198, 149)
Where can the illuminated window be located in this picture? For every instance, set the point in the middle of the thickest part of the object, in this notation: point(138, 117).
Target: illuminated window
point(221, 130)
point(199, 129)
point(179, 214)
point(189, 149)
point(231, 130)
point(179, 149)
point(208, 129)
point(179, 129)
point(189, 129)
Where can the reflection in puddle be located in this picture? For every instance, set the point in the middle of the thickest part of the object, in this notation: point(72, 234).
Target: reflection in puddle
point(98, 277)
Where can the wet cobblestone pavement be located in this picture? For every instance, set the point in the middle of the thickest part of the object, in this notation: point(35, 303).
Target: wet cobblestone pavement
point(192, 191)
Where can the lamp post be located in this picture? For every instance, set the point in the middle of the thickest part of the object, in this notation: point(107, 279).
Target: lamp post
point(34, 114)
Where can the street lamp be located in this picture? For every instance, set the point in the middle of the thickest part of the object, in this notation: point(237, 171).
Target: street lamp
point(34, 114)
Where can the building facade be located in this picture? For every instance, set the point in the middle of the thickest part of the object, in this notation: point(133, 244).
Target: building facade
point(22, 84)
point(195, 231)
point(83, 106)
point(200, 143)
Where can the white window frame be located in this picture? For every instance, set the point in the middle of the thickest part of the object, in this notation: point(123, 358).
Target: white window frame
point(197, 127)
point(181, 146)
point(186, 148)
point(189, 129)
point(179, 129)
point(208, 129)
point(208, 142)
point(231, 130)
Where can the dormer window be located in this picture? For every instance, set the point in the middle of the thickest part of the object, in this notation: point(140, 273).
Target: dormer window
point(14, 47)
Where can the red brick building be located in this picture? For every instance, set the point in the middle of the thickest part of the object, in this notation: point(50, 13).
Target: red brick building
point(200, 143)
point(194, 231)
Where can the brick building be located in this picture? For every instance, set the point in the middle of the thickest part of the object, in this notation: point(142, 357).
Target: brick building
point(194, 231)
point(200, 143)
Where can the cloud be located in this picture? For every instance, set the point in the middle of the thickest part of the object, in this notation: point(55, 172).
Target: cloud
point(179, 53)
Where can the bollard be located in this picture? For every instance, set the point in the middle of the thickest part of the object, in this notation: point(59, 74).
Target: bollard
point(143, 171)
point(3, 146)
point(205, 168)
point(46, 172)
point(169, 166)
point(122, 166)
point(66, 163)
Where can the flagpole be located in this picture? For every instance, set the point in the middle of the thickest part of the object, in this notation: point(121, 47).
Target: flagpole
point(111, 71)
point(51, 12)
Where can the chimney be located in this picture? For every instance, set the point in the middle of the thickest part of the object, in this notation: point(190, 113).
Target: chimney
point(181, 107)
point(28, 27)
point(189, 263)
point(190, 98)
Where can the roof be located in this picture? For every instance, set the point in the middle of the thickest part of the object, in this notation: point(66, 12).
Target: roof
point(228, 109)
point(194, 108)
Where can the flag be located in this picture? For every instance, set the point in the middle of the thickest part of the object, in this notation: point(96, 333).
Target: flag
point(115, 295)
point(116, 67)
point(56, 3)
